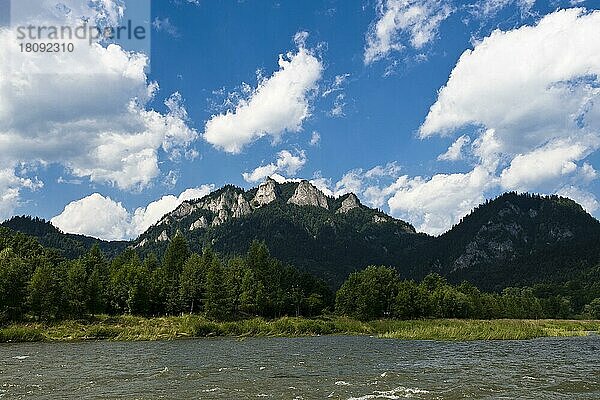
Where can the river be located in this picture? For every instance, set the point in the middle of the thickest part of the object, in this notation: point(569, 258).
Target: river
point(335, 367)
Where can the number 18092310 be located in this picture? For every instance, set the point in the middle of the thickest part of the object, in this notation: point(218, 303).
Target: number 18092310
point(42, 47)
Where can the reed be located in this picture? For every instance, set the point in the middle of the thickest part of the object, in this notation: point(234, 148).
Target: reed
point(130, 328)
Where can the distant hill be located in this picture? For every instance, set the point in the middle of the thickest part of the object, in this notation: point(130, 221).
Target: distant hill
point(516, 239)
point(70, 245)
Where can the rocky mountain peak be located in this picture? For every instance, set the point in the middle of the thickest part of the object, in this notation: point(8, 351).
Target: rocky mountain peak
point(224, 201)
point(266, 193)
point(308, 195)
point(349, 203)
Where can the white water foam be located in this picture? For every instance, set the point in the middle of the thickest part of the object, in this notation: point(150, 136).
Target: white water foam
point(400, 392)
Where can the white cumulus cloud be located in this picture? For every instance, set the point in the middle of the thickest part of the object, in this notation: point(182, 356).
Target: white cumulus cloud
point(86, 111)
point(279, 104)
point(10, 188)
point(97, 216)
point(434, 205)
point(532, 97)
point(529, 84)
point(545, 164)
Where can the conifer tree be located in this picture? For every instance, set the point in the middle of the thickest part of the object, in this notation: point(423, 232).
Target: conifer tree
point(192, 282)
point(218, 305)
point(175, 257)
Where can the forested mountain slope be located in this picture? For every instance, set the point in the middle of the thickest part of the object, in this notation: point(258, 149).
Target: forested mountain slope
point(516, 239)
point(300, 225)
point(71, 246)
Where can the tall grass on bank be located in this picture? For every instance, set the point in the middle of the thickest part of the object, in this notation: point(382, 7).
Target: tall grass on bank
point(129, 328)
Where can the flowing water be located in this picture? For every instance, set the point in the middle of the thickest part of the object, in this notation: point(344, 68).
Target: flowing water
point(335, 367)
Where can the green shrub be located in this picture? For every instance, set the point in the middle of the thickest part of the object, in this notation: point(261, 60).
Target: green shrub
point(592, 310)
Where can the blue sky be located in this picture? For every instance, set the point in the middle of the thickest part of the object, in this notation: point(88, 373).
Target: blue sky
point(356, 104)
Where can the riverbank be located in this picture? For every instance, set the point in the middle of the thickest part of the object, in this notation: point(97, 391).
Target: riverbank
point(129, 328)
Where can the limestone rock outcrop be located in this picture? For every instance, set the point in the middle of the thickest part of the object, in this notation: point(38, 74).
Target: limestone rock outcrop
point(242, 207)
point(266, 193)
point(183, 210)
point(141, 244)
point(163, 237)
point(308, 195)
point(378, 219)
point(225, 201)
point(220, 218)
point(349, 203)
point(200, 223)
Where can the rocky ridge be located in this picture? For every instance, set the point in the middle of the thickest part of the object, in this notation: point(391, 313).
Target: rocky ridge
point(231, 203)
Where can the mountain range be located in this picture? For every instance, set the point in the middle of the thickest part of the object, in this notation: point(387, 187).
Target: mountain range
point(515, 239)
